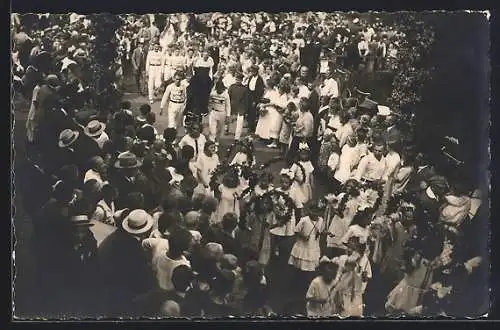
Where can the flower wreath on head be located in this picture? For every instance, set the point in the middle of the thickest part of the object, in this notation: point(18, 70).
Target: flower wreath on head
point(283, 207)
point(247, 144)
point(225, 168)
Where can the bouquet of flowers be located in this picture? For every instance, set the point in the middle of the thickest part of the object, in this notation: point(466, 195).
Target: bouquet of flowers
point(290, 117)
point(283, 206)
point(369, 198)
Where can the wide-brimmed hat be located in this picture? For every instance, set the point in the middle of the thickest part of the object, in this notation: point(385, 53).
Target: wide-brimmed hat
point(383, 110)
point(67, 138)
point(176, 177)
point(127, 160)
point(213, 250)
point(94, 128)
point(53, 81)
point(80, 221)
point(138, 222)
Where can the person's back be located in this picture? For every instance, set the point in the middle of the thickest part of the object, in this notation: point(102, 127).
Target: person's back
point(238, 96)
point(125, 270)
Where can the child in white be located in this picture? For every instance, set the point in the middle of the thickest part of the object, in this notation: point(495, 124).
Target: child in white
point(303, 172)
point(306, 251)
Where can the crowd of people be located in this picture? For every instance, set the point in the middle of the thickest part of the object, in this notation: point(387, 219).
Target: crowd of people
point(201, 231)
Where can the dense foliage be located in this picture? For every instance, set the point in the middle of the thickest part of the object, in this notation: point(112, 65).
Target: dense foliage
point(412, 66)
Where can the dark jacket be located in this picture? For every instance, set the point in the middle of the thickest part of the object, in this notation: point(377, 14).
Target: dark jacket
point(257, 94)
point(230, 244)
point(139, 59)
point(126, 273)
point(240, 99)
point(424, 174)
point(309, 56)
point(125, 187)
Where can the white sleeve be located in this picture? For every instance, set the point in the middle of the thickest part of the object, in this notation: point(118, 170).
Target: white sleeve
point(166, 96)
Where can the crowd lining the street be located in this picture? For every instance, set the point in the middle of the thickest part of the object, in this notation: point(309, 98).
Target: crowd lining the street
point(201, 231)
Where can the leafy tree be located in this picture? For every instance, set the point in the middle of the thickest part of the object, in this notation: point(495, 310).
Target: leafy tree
point(412, 66)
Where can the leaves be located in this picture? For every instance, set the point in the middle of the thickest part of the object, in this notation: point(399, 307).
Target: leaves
point(410, 65)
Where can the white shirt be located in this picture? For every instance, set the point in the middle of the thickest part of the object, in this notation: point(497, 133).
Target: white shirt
point(333, 161)
point(330, 88)
point(392, 162)
point(173, 93)
point(228, 80)
point(164, 267)
point(220, 102)
point(304, 91)
point(187, 140)
point(103, 138)
point(363, 48)
point(206, 166)
point(252, 82)
point(347, 160)
point(370, 168)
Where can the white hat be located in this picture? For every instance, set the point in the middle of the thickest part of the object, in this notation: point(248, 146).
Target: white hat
point(356, 20)
point(176, 177)
point(383, 110)
point(138, 222)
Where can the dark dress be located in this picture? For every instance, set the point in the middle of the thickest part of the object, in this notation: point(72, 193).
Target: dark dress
point(200, 84)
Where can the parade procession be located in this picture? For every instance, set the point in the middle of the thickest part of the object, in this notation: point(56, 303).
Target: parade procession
point(237, 165)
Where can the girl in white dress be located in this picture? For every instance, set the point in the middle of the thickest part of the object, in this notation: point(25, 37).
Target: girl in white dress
point(348, 292)
point(338, 225)
point(267, 111)
point(207, 161)
point(303, 172)
point(306, 252)
point(230, 191)
point(319, 296)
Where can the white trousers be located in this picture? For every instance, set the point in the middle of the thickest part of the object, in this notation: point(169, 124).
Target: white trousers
point(174, 111)
point(168, 73)
point(154, 80)
point(239, 127)
point(216, 124)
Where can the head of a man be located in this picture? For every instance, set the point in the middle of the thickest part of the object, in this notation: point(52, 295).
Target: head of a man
point(304, 73)
point(378, 150)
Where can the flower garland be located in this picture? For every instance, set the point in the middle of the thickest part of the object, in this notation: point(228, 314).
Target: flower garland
point(223, 169)
point(283, 206)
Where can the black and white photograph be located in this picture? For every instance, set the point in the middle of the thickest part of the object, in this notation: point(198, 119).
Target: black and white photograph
point(250, 165)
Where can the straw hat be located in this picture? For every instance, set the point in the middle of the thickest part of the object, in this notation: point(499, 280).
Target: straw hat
point(383, 110)
point(127, 160)
point(94, 128)
point(138, 222)
point(80, 221)
point(53, 81)
point(67, 138)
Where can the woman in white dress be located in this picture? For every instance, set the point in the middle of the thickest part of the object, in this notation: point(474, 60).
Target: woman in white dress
point(349, 158)
point(266, 111)
point(276, 115)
